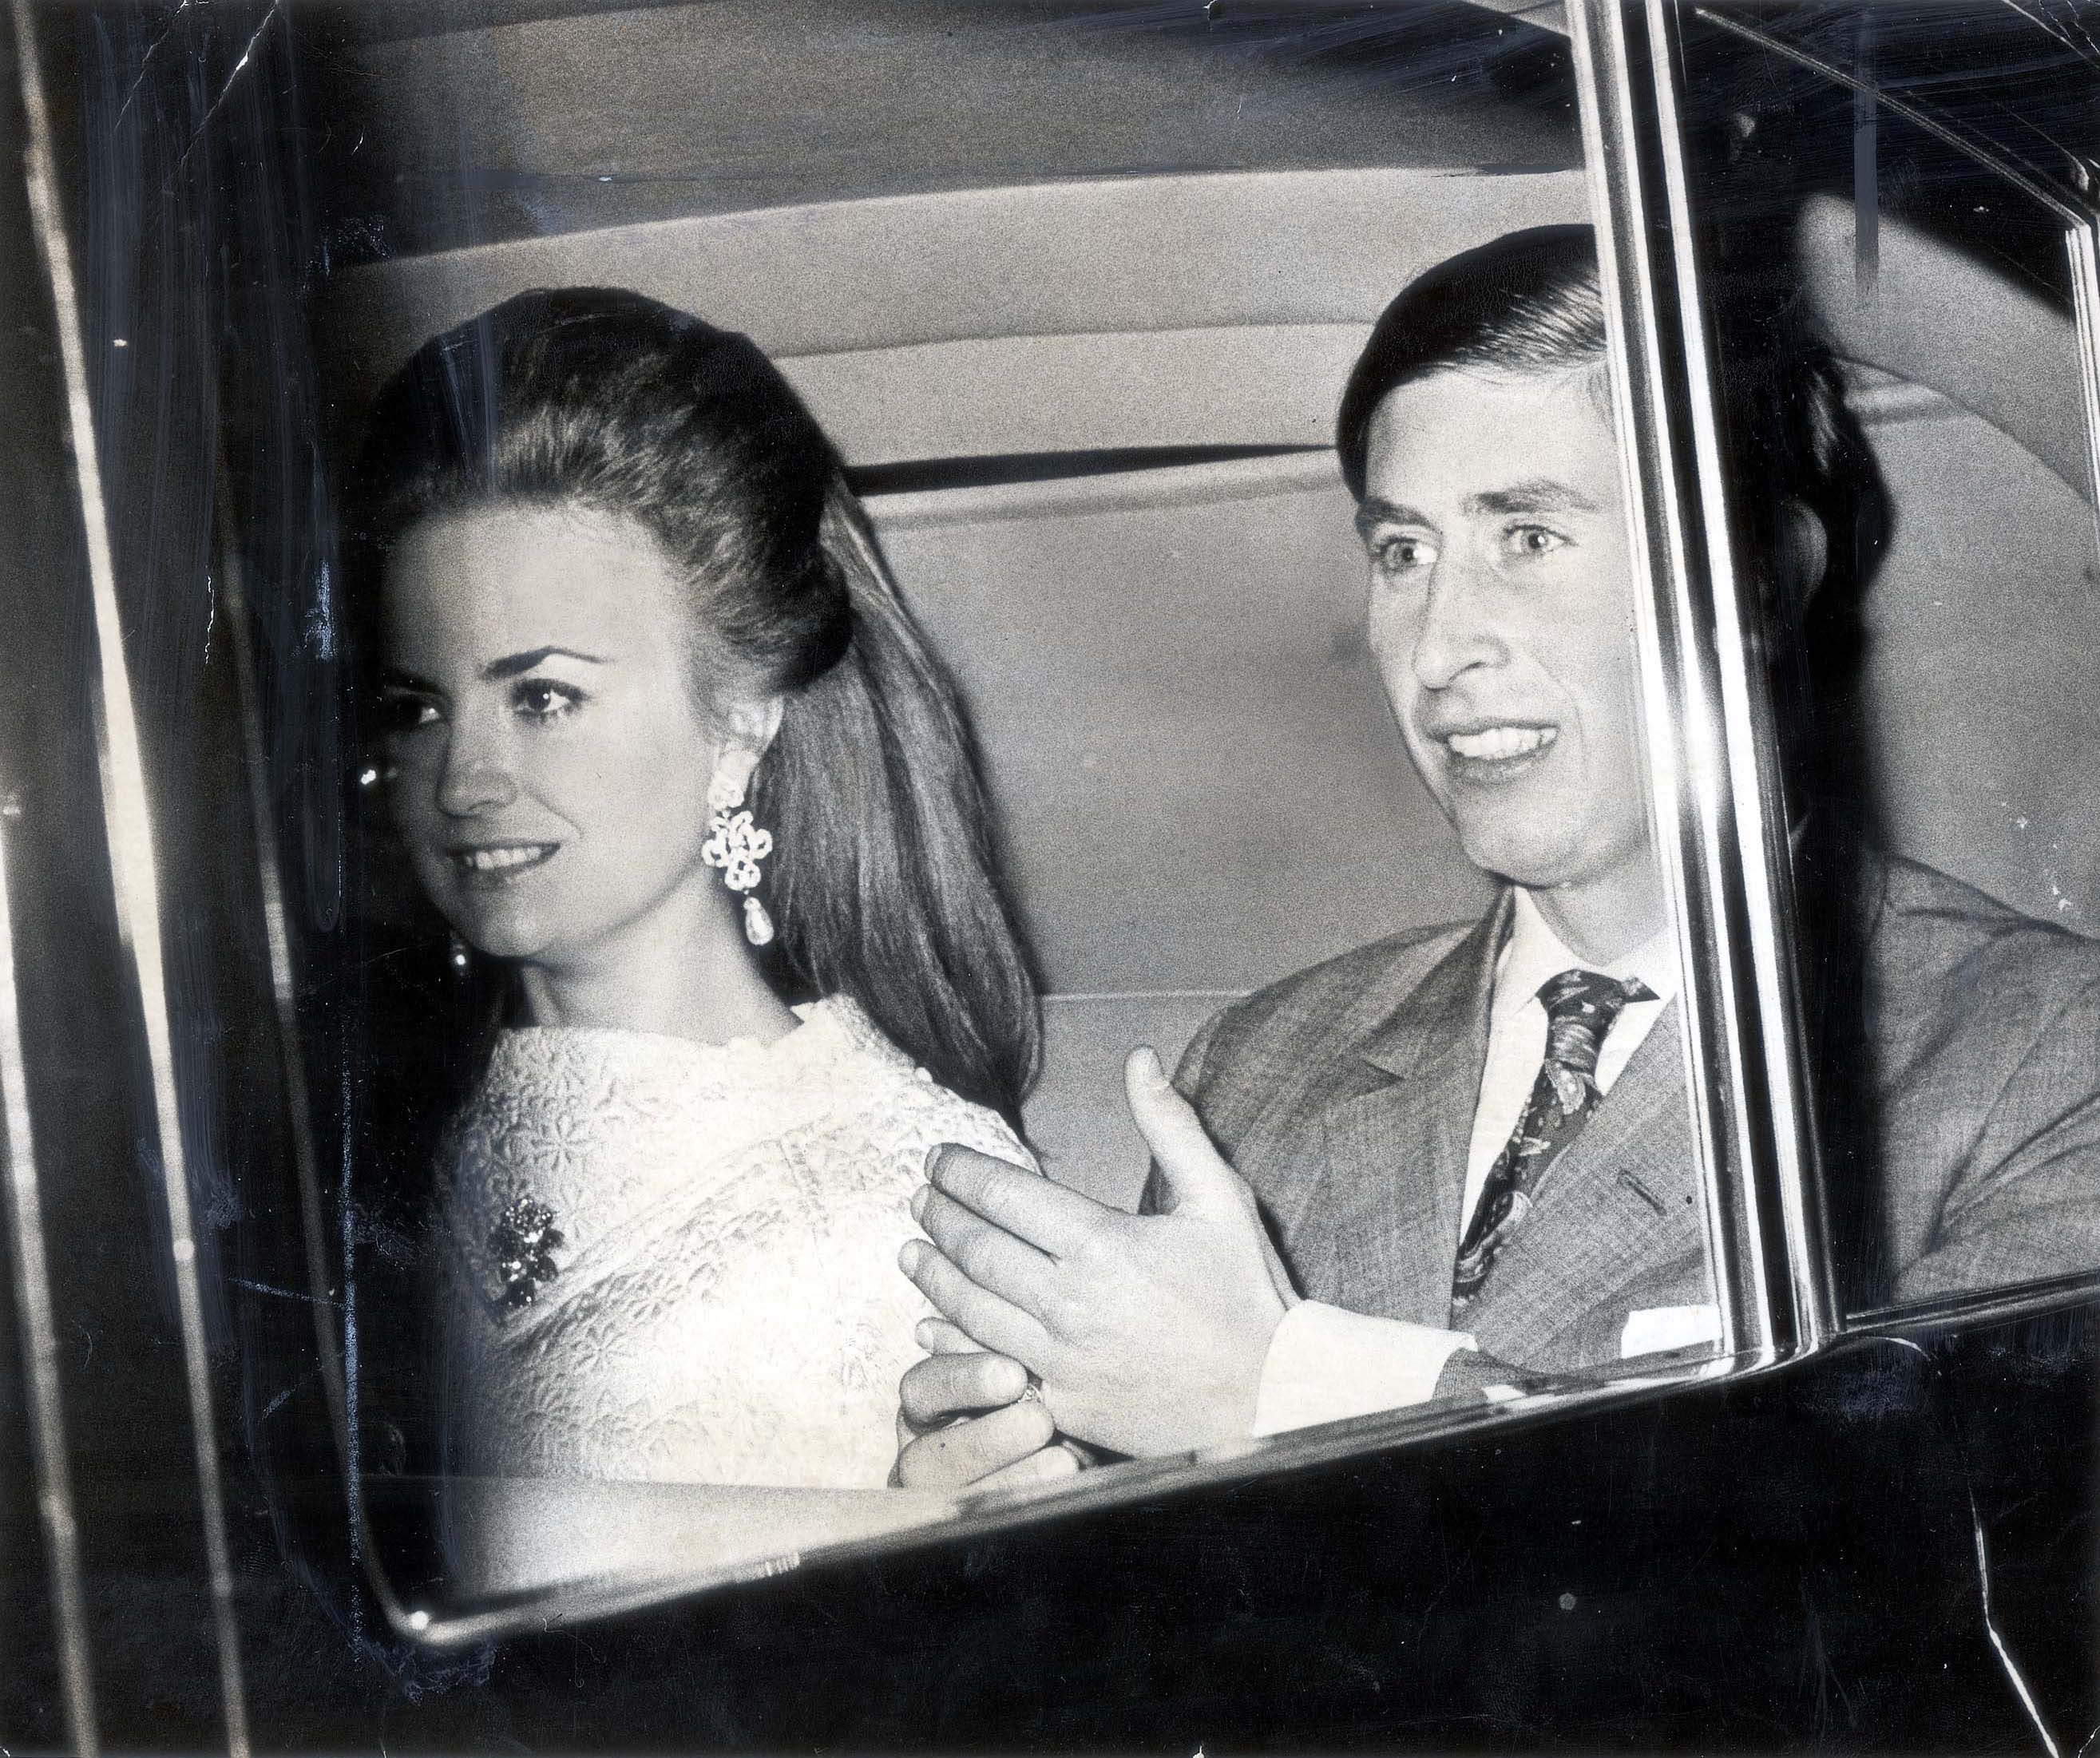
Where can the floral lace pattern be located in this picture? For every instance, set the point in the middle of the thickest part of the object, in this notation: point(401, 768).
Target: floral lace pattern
point(722, 1225)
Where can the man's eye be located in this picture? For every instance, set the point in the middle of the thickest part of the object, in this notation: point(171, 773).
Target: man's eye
point(540, 698)
point(1533, 540)
point(1403, 555)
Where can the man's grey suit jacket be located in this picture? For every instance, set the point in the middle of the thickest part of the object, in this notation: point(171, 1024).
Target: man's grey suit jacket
point(1958, 1041)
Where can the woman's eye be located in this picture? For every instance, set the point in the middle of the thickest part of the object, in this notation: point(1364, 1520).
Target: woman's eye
point(1534, 540)
point(540, 698)
point(400, 712)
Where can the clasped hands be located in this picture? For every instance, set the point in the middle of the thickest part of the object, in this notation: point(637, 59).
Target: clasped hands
point(1146, 1333)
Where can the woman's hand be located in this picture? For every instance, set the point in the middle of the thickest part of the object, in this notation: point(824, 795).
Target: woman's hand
point(1004, 1438)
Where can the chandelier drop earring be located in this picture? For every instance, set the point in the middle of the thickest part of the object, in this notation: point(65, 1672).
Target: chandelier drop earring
point(737, 846)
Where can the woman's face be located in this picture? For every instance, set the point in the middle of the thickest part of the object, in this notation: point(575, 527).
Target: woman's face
point(551, 762)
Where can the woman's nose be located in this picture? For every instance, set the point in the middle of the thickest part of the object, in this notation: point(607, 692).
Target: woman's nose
point(1456, 631)
point(476, 777)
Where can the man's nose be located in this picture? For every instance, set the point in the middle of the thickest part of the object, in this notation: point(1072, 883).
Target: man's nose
point(1457, 632)
point(477, 775)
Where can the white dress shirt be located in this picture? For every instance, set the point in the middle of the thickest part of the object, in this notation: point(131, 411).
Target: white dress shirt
point(1324, 1364)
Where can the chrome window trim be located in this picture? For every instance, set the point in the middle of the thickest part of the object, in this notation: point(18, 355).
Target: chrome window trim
point(1728, 819)
point(1122, 1485)
point(128, 820)
point(2082, 243)
point(1982, 1307)
point(1760, 797)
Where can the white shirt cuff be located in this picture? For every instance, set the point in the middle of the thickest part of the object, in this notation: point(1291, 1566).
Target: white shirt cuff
point(1325, 1364)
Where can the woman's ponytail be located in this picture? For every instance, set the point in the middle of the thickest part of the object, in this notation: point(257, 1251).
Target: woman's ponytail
point(884, 882)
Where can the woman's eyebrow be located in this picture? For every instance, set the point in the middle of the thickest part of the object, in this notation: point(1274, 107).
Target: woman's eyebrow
point(515, 664)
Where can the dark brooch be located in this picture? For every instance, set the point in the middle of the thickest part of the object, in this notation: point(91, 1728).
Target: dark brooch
point(523, 1240)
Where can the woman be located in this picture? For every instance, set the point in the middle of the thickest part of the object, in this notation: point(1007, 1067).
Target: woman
point(663, 745)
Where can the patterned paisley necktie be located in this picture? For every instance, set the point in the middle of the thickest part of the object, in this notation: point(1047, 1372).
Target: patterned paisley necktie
point(1581, 1006)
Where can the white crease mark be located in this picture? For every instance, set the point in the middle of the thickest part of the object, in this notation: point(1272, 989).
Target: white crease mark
point(282, 1293)
point(1990, 1626)
point(146, 60)
point(225, 91)
point(2017, 1678)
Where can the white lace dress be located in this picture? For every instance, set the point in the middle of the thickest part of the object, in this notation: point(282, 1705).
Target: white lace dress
point(676, 1262)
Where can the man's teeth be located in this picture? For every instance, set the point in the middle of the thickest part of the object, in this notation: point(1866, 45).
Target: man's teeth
point(1499, 742)
point(494, 860)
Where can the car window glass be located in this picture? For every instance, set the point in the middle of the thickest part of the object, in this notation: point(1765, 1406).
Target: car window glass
point(609, 1336)
point(1925, 550)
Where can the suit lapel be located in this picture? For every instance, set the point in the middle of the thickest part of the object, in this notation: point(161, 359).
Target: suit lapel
point(1395, 1154)
point(1620, 1207)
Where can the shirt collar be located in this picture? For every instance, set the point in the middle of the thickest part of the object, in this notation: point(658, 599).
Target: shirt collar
point(1533, 953)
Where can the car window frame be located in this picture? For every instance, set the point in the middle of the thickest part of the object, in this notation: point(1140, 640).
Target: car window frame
point(1773, 1277)
point(1718, 806)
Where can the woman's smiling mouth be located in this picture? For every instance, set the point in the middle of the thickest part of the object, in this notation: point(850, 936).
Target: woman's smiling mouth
point(495, 863)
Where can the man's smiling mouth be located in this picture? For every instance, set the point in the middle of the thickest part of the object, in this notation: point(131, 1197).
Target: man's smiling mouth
point(1499, 744)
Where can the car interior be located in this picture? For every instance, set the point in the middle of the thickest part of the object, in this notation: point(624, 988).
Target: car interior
point(1091, 415)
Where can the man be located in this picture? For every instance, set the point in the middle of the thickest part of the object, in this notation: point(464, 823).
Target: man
point(1473, 1144)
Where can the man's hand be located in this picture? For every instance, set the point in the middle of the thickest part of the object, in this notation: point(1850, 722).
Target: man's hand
point(1004, 1441)
point(1147, 1332)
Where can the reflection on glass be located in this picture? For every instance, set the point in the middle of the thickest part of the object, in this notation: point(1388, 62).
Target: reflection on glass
point(1909, 523)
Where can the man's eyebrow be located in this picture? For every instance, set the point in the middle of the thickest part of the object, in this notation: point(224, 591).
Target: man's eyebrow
point(1538, 495)
point(517, 664)
point(1374, 511)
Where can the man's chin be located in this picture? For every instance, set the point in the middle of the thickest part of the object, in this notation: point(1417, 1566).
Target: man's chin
point(1536, 863)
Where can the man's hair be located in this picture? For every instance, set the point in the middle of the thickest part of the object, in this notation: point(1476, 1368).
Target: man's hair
point(1531, 303)
point(1527, 303)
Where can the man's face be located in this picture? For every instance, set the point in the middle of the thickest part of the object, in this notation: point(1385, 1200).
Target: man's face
point(1502, 618)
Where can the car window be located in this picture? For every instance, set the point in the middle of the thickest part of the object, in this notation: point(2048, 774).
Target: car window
point(1926, 544)
point(1414, 727)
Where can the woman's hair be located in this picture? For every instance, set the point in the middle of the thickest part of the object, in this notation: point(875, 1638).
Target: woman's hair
point(1530, 301)
point(883, 883)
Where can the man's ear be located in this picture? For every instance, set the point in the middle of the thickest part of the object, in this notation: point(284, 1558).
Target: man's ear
point(748, 730)
point(1804, 552)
